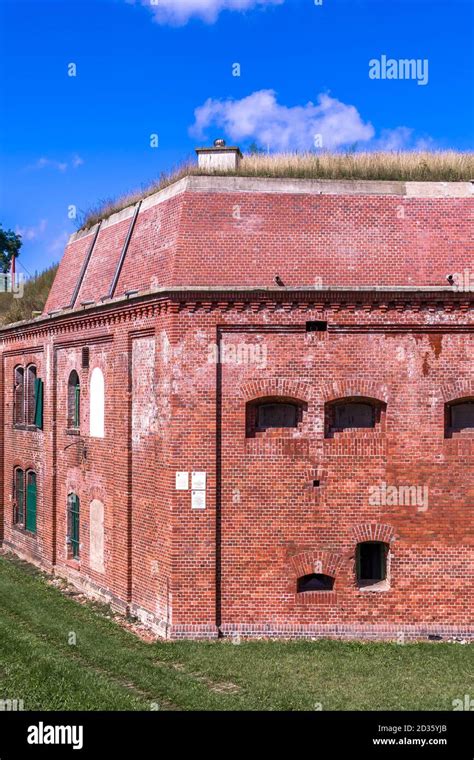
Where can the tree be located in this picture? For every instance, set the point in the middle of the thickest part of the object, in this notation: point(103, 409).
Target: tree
point(35, 294)
point(10, 244)
point(254, 150)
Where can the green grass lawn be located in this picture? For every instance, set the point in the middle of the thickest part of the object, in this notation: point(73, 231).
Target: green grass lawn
point(111, 669)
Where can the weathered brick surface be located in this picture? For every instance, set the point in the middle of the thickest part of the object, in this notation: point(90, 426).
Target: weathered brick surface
point(270, 512)
point(362, 240)
point(233, 566)
point(103, 263)
point(62, 291)
point(198, 238)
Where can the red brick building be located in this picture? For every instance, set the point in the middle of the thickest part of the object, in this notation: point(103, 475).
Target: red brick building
point(248, 409)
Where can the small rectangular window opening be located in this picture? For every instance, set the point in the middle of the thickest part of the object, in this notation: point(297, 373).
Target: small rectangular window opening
point(314, 582)
point(316, 326)
point(85, 358)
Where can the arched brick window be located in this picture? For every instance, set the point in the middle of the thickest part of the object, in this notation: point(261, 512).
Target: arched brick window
point(97, 403)
point(371, 564)
point(73, 513)
point(19, 396)
point(272, 412)
point(73, 401)
point(18, 496)
point(30, 394)
point(459, 416)
point(353, 413)
point(279, 414)
point(27, 397)
point(315, 582)
point(25, 499)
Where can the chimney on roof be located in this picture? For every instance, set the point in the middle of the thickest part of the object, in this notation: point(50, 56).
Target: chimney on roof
point(219, 158)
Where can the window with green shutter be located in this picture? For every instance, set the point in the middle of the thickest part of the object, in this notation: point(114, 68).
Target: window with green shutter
point(77, 405)
point(73, 525)
point(38, 403)
point(30, 523)
point(19, 511)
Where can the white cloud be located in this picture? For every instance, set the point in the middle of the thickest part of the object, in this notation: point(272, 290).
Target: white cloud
point(328, 124)
point(58, 243)
point(178, 12)
point(34, 232)
point(401, 138)
point(259, 117)
point(60, 166)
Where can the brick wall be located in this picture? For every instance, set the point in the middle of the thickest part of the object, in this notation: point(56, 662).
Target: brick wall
point(127, 466)
point(274, 524)
point(233, 566)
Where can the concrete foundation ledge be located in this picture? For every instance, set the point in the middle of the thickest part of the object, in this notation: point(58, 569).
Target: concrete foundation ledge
point(193, 632)
point(398, 634)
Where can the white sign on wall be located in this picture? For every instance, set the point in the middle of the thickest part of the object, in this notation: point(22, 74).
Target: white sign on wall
point(198, 481)
point(198, 499)
point(182, 481)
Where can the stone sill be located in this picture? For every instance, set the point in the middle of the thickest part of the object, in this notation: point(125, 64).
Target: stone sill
point(375, 587)
point(460, 435)
point(275, 433)
point(19, 528)
point(355, 435)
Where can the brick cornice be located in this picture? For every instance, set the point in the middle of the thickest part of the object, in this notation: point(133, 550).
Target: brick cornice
point(251, 300)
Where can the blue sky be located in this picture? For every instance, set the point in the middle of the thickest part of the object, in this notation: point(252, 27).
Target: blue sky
point(167, 69)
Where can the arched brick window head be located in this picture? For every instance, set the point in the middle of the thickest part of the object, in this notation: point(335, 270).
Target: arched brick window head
point(353, 414)
point(267, 413)
point(459, 416)
point(97, 404)
point(315, 582)
point(73, 401)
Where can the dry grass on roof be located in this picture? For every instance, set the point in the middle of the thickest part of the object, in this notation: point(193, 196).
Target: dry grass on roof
point(421, 166)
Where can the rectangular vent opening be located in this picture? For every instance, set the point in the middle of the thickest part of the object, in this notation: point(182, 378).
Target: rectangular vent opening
point(316, 326)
